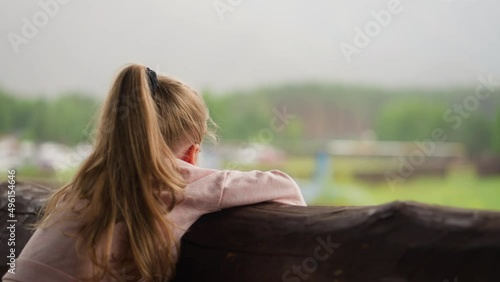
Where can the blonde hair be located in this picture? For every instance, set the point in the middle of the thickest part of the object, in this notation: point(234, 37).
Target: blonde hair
point(132, 163)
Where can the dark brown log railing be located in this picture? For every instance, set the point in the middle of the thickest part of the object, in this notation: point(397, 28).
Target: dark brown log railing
point(396, 242)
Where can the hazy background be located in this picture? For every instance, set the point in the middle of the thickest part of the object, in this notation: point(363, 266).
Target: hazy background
point(430, 43)
point(359, 128)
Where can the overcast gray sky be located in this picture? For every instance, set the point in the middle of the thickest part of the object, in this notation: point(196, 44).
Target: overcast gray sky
point(81, 44)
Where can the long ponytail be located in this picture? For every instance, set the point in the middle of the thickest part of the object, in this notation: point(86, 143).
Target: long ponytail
point(131, 177)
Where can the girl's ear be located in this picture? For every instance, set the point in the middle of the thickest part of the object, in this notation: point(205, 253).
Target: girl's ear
point(191, 154)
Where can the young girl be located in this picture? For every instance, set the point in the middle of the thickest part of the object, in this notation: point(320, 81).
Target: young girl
point(122, 216)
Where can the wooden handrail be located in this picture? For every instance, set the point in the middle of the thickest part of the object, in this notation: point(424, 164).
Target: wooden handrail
point(399, 241)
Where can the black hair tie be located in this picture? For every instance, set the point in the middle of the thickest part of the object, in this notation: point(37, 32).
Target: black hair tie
point(153, 79)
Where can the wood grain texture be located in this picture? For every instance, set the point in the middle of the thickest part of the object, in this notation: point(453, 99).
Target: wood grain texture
point(395, 242)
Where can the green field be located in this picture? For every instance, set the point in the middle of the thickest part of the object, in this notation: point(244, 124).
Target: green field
point(465, 191)
point(461, 187)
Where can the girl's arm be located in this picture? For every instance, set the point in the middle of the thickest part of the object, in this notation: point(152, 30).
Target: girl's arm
point(244, 188)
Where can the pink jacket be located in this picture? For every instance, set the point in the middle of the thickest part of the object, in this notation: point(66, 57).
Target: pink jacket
point(50, 255)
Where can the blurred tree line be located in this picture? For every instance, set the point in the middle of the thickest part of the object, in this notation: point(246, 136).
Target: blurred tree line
point(65, 119)
point(300, 117)
point(325, 112)
point(414, 118)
